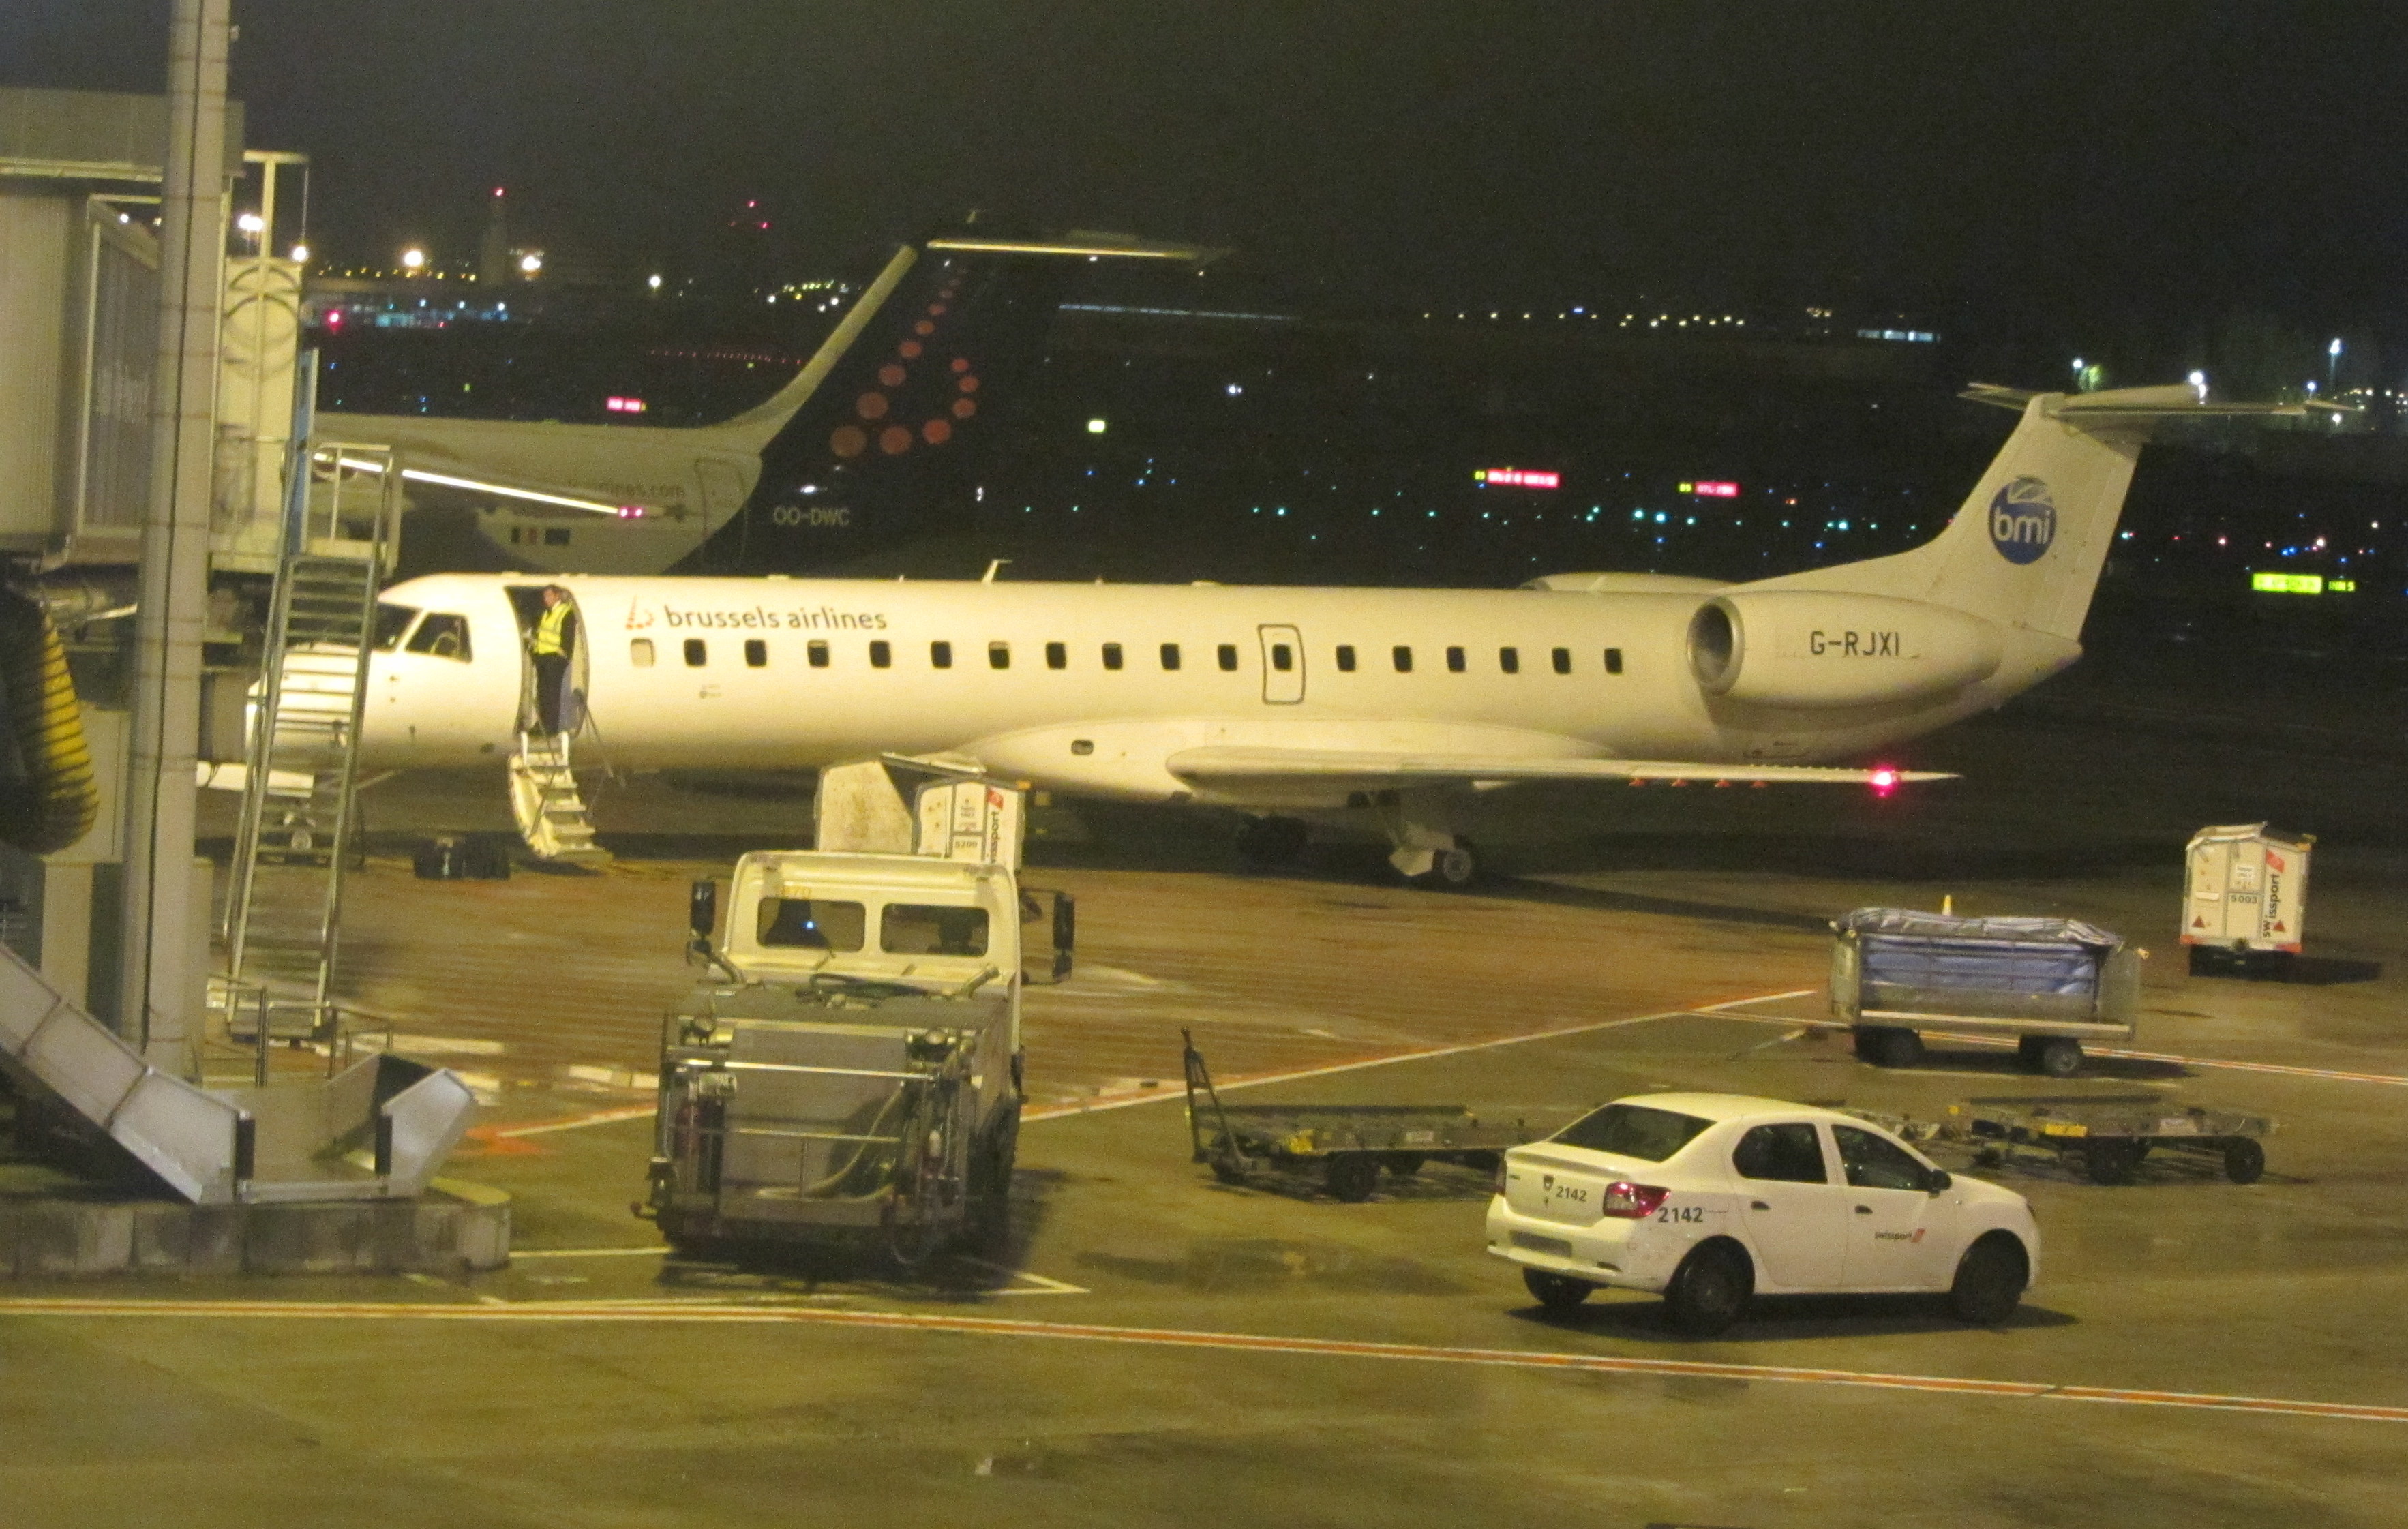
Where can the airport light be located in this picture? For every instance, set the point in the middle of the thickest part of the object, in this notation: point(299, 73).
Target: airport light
point(251, 223)
point(300, 254)
point(530, 262)
point(2332, 360)
point(2199, 381)
point(1095, 427)
point(414, 259)
point(654, 282)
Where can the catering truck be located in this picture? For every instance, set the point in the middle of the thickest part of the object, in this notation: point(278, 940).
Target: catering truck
point(851, 1072)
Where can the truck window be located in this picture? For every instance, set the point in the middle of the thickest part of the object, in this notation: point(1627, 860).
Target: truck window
point(926, 929)
point(812, 924)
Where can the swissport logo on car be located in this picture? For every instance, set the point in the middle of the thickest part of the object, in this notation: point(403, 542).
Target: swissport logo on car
point(2023, 521)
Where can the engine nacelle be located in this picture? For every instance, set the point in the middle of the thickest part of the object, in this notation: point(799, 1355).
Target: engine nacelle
point(1802, 647)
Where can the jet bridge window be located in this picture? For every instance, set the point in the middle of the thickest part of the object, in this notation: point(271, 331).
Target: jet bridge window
point(1345, 658)
point(812, 924)
point(998, 655)
point(1563, 660)
point(1403, 657)
point(926, 929)
point(881, 655)
point(940, 655)
point(1057, 655)
point(1509, 660)
point(1613, 661)
point(1170, 655)
point(697, 652)
point(391, 620)
point(756, 654)
point(1111, 655)
point(443, 636)
point(1227, 654)
point(817, 652)
point(1455, 660)
point(639, 652)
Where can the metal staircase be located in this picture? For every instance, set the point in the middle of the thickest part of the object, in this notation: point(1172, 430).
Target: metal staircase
point(550, 810)
point(284, 902)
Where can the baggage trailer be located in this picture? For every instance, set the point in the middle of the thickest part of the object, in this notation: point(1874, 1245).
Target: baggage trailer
point(2051, 983)
point(1348, 1144)
point(2244, 898)
point(2106, 1139)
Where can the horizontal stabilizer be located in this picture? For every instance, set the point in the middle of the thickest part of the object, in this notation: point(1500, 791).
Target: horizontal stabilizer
point(1343, 769)
point(2134, 406)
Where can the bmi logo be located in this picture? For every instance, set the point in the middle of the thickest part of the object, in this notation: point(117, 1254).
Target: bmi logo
point(2023, 521)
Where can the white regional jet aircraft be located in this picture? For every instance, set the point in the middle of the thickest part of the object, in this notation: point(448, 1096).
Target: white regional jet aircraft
point(1286, 701)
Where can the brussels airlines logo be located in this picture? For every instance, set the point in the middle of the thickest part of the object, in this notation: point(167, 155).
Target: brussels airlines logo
point(2023, 521)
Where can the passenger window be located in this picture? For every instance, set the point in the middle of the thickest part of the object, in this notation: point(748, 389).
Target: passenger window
point(697, 653)
point(1404, 658)
point(639, 652)
point(1509, 660)
point(1057, 655)
point(391, 620)
point(1563, 661)
point(881, 655)
point(442, 635)
point(1170, 655)
point(812, 924)
point(1613, 661)
point(1455, 660)
point(756, 654)
point(817, 652)
point(1227, 654)
point(925, 929)
point(1786, 1153)
point(998, 655)
point(1872, 1163)
point(1111, 655)
point(1282, 657)
point(940, 655)
point(1345, 658)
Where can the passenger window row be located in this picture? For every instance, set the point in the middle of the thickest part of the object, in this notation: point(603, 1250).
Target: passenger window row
point(1057, 655)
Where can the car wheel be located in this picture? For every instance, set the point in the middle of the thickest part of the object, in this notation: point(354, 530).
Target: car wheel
point(2244, 1161)
point(1709, 1290)
point(2027, 1050)
point(1894, 1048)
point(2111, 1161)
point(2060, 1056)
point(1353, 1176)
point(1557, 1292)
point(1990, 1280)
point(1227, 1172)
point(1867, 1041)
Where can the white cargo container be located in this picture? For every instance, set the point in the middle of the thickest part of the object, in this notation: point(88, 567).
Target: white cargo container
point(2246, 896)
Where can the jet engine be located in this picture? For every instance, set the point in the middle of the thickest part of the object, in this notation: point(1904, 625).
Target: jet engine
point(1801, 648)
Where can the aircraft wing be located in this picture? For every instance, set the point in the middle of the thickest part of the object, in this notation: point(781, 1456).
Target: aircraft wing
point(1236, 770)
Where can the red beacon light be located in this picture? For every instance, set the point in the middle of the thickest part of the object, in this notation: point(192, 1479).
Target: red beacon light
point(631, 512)
point(1884, 780)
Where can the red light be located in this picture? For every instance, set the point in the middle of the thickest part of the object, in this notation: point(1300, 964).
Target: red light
point(1517, 477)
point(623, 406)
point(1629, 1202)
point(631, 512)
point(1884, 780)
point(1714, 489)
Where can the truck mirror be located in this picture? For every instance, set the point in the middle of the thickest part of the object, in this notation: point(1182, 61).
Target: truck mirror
point(1066, 934)
point(702, 909)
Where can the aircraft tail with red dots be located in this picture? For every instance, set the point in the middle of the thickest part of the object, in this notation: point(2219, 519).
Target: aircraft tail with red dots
point(876, 438)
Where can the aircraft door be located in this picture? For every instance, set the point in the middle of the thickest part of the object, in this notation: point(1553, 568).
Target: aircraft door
point(555, 669)
point(1283, 666)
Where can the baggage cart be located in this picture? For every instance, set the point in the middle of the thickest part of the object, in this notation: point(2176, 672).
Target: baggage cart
point(2106, 1140)
point(1349, 1145)
point(2244, 897)
point(2051, 983)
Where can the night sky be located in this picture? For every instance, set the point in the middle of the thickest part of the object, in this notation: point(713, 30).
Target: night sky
point(2191, 159)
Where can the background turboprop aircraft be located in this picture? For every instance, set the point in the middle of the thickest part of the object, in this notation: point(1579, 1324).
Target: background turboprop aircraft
point(803, 477)
point(1389, 703)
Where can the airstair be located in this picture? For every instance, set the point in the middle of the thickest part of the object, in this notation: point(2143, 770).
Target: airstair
point(284, 902)
point(551, 809)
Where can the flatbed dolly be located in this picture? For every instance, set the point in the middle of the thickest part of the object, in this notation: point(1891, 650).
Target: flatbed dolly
point(2105, 1140)
point(1349, 1143)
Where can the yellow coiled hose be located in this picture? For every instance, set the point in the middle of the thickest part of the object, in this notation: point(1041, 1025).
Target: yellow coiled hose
point(58, 800)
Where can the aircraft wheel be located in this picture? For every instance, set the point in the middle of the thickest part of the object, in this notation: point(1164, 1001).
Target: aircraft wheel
point(1457, 867)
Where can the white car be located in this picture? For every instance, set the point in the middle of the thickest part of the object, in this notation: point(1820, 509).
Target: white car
point(1711, 1198)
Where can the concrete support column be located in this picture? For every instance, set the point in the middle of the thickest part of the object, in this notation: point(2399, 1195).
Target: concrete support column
point(162, 1008)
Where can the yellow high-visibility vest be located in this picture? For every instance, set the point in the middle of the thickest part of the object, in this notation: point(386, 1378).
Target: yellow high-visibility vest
point(552, 631)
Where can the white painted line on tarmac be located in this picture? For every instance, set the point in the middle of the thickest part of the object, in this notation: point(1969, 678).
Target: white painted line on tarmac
point(517, 1253)
point(1126, 1101)
point(578, 1122)
point(1166, 1337)
point(1032, 1284)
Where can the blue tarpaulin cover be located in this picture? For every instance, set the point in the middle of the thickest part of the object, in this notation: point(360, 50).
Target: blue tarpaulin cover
point(1904, 951)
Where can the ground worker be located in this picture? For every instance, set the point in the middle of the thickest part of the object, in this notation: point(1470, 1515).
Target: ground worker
point(555, 640)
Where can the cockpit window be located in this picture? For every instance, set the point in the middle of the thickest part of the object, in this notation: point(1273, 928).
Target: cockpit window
point(813, 923)
point(442, 635)
point(391, 620)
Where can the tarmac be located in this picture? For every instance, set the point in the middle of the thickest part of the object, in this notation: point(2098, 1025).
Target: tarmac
point(1159, 1347)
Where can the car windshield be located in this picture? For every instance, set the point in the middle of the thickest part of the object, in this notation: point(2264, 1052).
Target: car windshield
point(812, 924)
point(1650, 1135)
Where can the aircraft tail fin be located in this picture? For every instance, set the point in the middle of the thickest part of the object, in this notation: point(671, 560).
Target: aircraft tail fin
point(2027, 546)
point(875, 435)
